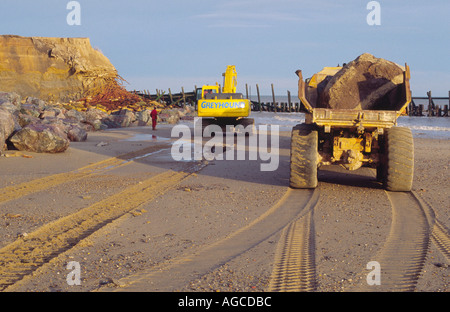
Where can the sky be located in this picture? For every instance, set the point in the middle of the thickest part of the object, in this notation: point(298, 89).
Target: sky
point(180, 43)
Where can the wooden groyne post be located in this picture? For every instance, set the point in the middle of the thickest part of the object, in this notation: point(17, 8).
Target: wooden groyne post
point(259, 98)
point(431, 109)
point(273, 97)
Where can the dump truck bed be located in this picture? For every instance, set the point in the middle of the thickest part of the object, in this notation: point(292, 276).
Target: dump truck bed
point(353, 118)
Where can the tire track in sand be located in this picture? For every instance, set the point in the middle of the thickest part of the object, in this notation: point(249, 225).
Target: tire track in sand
point(294, 265)
point(440, 234)
point(179, 272)
point(22, 257)
point(23, 189)
point(403, 256)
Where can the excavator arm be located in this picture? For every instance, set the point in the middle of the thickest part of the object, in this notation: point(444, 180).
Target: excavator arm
point(230, 79)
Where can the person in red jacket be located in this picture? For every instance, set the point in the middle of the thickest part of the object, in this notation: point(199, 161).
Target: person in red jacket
point(154, 115)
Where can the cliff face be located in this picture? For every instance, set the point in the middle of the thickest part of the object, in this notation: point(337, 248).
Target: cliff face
point(52, 69)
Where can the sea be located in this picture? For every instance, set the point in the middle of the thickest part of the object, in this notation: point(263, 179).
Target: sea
point(421, 127)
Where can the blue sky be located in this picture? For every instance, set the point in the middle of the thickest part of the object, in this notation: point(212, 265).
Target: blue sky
point(174, 43)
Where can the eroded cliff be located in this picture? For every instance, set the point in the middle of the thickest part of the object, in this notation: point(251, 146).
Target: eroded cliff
point(52, 69)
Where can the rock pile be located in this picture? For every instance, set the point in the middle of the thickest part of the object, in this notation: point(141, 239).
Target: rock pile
point(7, 126)
point(36, 72)
point(367, 83)
point(36, 126)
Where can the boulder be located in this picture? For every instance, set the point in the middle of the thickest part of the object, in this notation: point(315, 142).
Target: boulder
point(10, 97)
point(13, 109)
point(95, 114)
point(318, 82)
point(187, 118)
point(143, 117)
point(110, 122)
point(30, 109)
point(94, 117)
point(364, 83)
point(52, 111)
point(47, 114)
point(41, 138)
point(76, 134)
point(7, 127)
point(169, 116)
point(173, 119)
point(25, 119)
point(40, 104)
point(124, 118)
point(75, 115)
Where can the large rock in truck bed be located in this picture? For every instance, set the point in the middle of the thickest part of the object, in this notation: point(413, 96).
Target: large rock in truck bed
point(367, 83)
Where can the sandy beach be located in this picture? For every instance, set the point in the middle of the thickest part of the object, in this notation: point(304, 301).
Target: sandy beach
point(195, 226)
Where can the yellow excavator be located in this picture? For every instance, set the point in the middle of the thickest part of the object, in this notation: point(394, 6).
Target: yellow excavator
point(224, 107)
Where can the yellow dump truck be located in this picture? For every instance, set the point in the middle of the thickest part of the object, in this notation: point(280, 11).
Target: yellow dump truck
point(352, 139)
point(222, 106)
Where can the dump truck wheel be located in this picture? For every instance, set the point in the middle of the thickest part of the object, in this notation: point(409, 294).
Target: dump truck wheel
point(380, 173)
point(399, 170)
point(304, 157)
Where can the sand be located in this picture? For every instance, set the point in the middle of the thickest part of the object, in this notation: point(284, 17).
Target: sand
point(352, 219)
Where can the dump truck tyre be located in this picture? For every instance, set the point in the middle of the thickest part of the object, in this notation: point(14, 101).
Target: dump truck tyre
point(304, 157)
point(380, 173)
point(399, 170)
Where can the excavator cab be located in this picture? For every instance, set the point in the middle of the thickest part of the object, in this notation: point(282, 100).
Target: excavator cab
point(207, 92)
